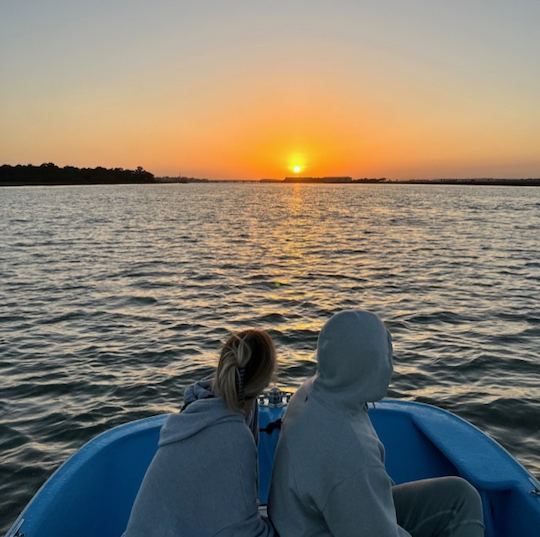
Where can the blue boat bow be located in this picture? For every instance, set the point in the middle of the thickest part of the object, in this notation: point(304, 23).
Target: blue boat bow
point(91, 494)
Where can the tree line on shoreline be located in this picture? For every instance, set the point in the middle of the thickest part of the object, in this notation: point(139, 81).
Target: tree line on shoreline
point(50, 174)
point(479, 181)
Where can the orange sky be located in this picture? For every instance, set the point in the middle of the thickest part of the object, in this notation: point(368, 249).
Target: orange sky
point(247, 91)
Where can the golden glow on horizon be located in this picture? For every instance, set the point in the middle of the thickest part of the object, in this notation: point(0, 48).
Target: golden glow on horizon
point(326, 131)
point(297, 168)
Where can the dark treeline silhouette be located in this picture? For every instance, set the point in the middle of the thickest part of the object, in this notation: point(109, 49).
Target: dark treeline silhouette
point(182, 179)
point(331, 179)
point(478, 181)
point(50, 174)
point(297, 179)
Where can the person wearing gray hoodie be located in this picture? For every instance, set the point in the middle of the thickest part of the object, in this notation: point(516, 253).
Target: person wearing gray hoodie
point(202, 481)
point(329, 477)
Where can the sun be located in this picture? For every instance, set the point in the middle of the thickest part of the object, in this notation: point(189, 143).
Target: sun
point(296, 162)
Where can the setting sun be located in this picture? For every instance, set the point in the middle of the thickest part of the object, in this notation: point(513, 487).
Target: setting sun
point(296, 162)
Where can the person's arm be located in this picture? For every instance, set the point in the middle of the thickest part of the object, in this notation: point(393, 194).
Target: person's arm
point(245, 518)
point(253, 527)
point(362, 504)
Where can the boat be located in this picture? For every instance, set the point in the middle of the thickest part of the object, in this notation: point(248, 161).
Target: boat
point(91, 494)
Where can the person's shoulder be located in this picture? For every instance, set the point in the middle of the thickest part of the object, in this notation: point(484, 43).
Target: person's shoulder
point(310, 429)
point(237, 433)
point(306, 413)
point(299, 405)
point(333, 435)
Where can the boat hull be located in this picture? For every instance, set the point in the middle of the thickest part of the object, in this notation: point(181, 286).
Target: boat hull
point(91, 494)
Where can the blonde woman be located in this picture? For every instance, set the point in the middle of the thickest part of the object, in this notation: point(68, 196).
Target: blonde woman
point(202, 481)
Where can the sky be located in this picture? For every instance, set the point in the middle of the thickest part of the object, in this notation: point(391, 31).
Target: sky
point(255, 89)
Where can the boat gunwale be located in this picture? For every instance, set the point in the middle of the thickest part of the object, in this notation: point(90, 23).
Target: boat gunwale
point(46, 494)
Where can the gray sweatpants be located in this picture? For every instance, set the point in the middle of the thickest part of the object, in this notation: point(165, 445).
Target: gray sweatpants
point(439, 507)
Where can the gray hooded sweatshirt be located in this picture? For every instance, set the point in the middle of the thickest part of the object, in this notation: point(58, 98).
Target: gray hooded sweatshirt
point(329, 477)
point(202, 481)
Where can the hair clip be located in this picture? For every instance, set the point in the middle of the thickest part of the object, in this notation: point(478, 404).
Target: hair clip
point(239, 374)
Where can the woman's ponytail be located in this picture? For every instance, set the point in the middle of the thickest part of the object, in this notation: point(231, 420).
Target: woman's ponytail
point(246, 366)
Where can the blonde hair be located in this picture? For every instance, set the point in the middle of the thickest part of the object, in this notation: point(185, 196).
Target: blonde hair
point(246, 367)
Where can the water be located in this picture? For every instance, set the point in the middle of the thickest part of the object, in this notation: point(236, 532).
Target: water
point(114, 298)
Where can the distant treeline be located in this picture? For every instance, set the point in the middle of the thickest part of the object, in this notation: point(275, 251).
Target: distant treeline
point(486, 181)
point(446, 181)
point(182, 179)
point(50, 174)
point(331, 179)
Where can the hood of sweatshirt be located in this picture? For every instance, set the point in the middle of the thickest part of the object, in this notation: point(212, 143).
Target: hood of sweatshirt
point(203, 410)
point(202, 389)
point(354, 355)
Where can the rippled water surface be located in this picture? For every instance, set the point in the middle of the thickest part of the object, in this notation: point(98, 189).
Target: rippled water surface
point(114, 298)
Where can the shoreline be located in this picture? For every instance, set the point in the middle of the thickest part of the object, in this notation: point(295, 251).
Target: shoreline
point(459, 182)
